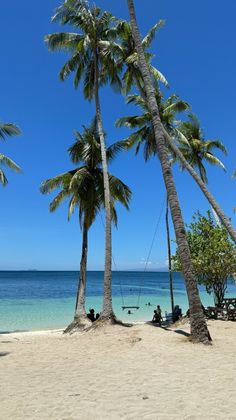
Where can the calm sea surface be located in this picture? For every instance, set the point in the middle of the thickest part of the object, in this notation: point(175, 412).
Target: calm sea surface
point(33, 300)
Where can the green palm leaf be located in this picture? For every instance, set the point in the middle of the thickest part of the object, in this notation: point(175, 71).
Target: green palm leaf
point(9, 130)
point(146, 43)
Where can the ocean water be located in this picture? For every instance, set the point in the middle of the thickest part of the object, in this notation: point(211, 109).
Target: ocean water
point(34, 300)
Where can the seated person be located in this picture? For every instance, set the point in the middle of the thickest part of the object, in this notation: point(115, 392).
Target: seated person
point(177, 314)
point(91, 315)
point(97, 316)
point(159, 311)
point(156, 318)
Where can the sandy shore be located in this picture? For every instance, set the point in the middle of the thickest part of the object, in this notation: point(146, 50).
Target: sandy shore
point(143, 372)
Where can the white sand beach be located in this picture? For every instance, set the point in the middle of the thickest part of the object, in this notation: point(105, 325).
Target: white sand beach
point(142, 372)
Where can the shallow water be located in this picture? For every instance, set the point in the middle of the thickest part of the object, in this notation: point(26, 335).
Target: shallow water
point(33, 300)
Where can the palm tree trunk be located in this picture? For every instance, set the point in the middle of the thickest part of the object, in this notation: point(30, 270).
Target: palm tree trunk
point(107, 311)
point(199, 329)
point(217, 219)
point(81, 320)
point(80, 298)
point(169, 257)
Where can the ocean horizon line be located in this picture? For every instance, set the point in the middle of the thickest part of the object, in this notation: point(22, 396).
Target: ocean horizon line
point(134, 270)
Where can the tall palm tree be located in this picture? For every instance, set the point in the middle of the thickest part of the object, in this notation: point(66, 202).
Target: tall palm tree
point(84, 187)
point(93, 62)
point(144, 135)
point(8, 130)
point(144, 67)
point(199, 329)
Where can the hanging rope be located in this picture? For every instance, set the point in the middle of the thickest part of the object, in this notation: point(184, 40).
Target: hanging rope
point(146, 262)
point(151, 247)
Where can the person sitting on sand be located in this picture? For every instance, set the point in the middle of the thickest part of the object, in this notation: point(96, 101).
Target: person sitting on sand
point(91, 315)
point(97, 316)
point(156, 318)
point(129, 312)
point(177, 314)
point(159, 311)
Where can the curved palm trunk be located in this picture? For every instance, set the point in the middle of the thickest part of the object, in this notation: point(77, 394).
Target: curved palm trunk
point(107, 311)
point(80, 318)
point(217, 219)
point(169, 257)
point(199, 329)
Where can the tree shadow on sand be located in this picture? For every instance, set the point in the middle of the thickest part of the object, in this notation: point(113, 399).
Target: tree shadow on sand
point(165, 327)
point(4, 353)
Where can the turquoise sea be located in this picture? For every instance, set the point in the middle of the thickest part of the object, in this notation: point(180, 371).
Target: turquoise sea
point(35, 300)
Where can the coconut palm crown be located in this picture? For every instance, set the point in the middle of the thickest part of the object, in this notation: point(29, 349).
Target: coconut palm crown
point(84, 184)
point(94, 40)
point(142, 124)
point(196, 149)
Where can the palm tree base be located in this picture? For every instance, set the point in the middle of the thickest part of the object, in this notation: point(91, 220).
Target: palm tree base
point(105, 320)
point(80, 323)
point(202, 335)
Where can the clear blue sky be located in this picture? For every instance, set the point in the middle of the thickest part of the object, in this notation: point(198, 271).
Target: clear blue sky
point(196, 52)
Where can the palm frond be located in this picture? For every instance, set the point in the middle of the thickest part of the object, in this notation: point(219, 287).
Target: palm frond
point(151, 34)
point(177, 107)
point(9, 130)
point(159, 76)
point(213, 160)
point(59, 181)
point(3, 179)
point(60, 197)
point(66, 41)
point(80, 180)
point(211, 144)
point(119, 191)
point(9, 162)
point(114, 149)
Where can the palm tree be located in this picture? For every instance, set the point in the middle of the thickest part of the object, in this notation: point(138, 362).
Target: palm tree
point(84, 187)
point(8, 130)
point(93, 62)
point(144, 69)
point(144, 135)
point(199, 329)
